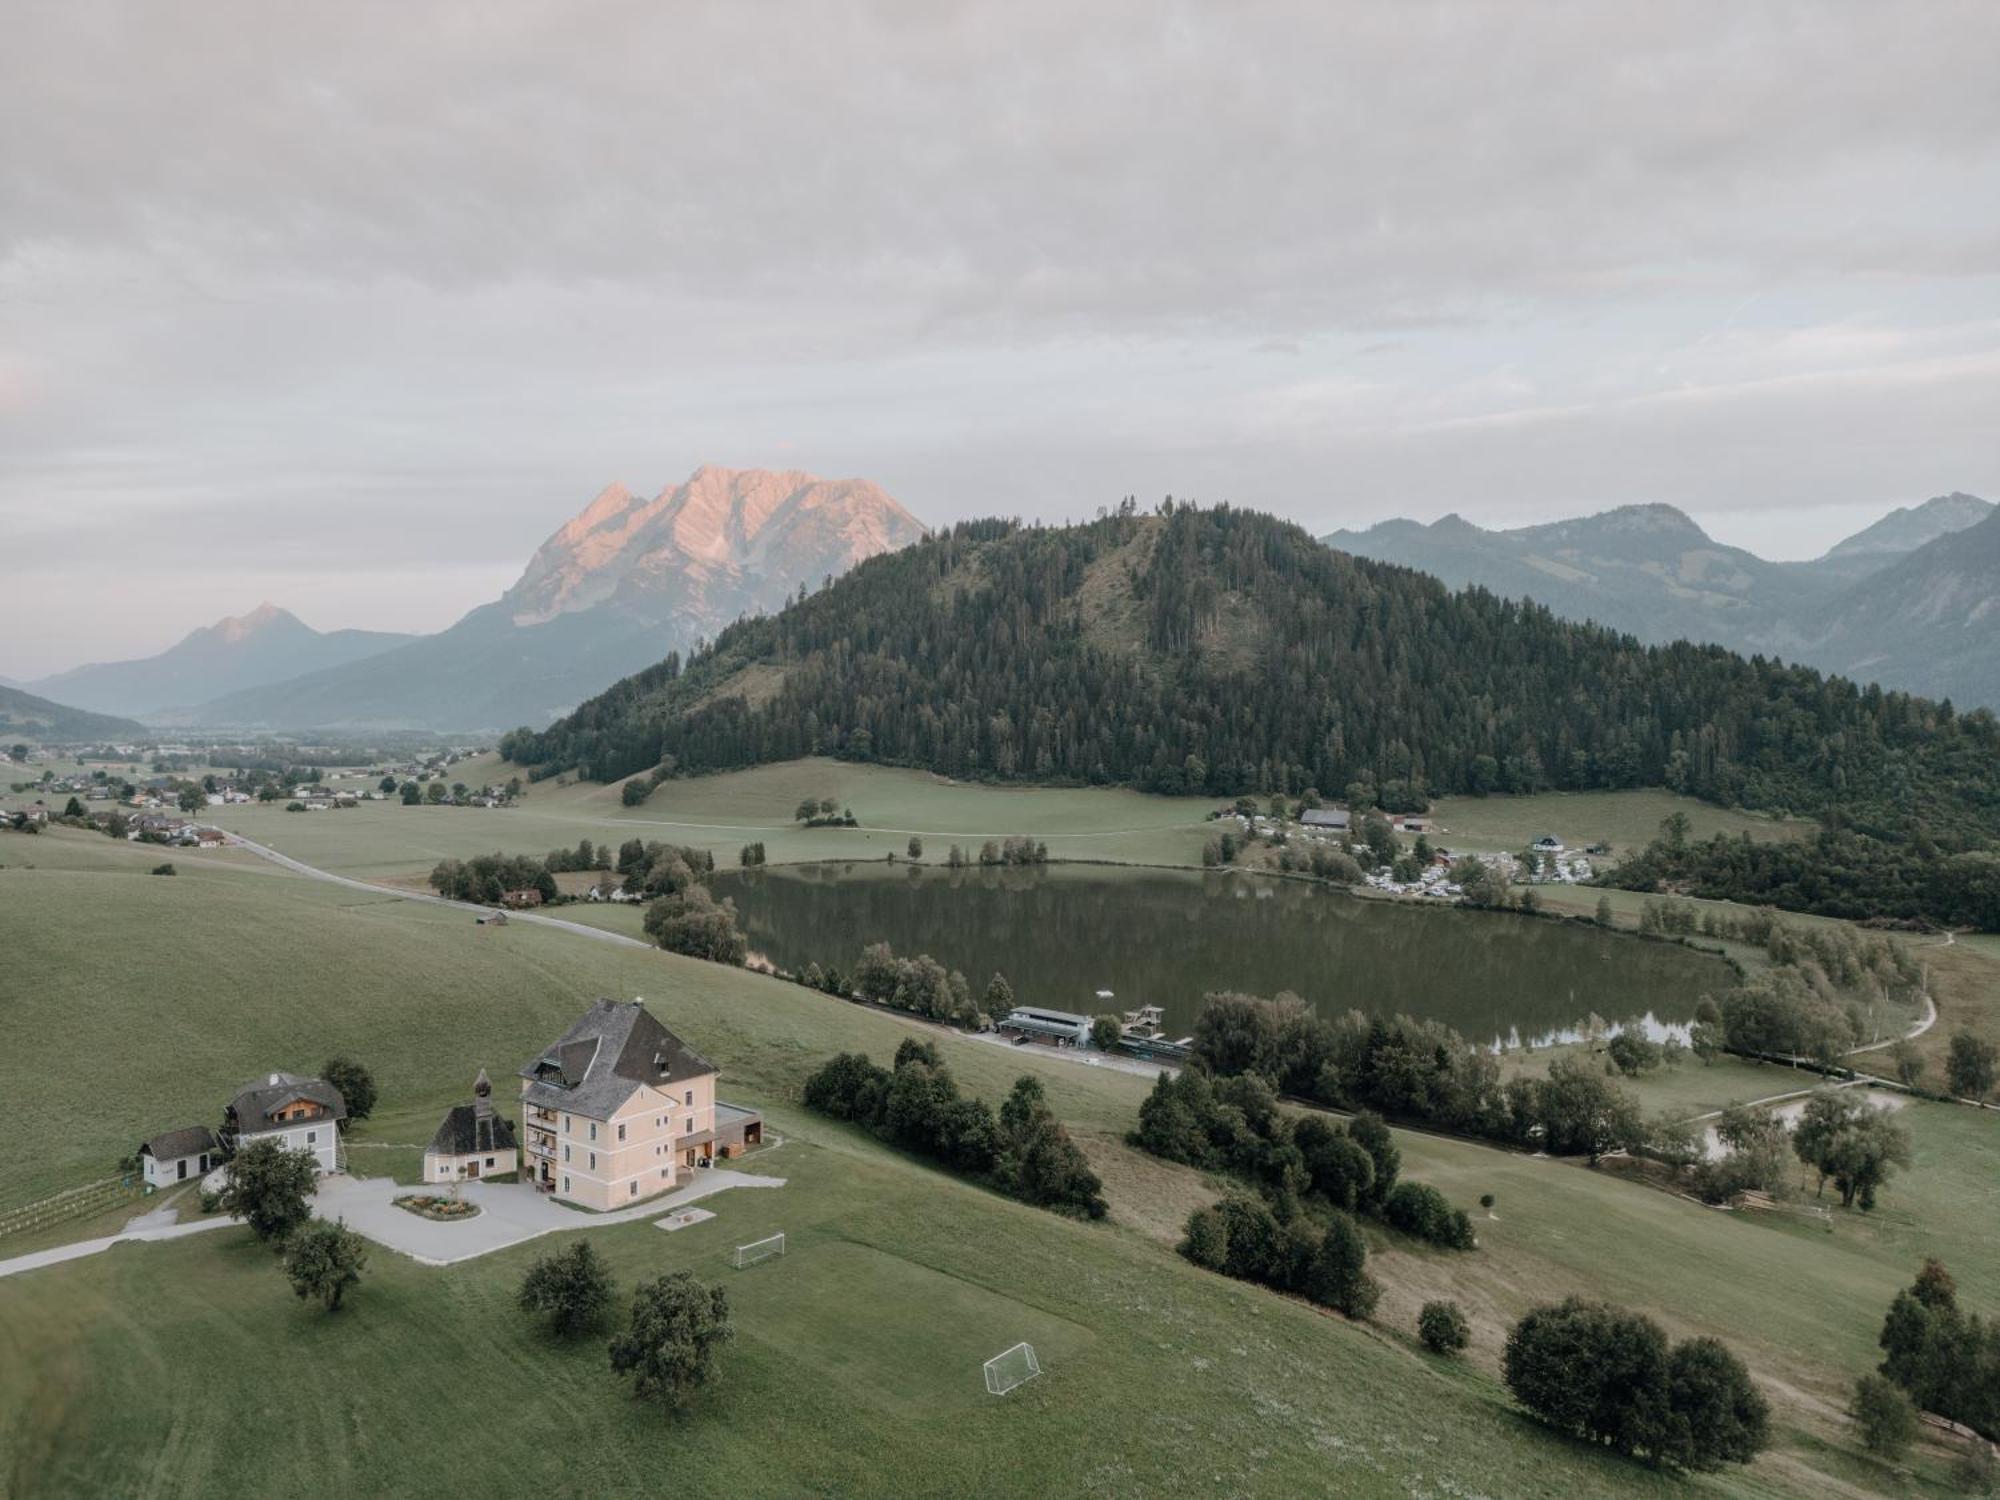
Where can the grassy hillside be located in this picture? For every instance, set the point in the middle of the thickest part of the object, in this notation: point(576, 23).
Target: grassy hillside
point(857, 1368)
point(23, 716)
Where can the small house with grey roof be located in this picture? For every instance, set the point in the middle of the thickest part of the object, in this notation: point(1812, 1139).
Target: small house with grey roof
point(300, 1114)
point(176, 1155)
point(473, 1140)
point(618, 1109)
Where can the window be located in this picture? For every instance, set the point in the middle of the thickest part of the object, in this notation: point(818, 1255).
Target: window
point(565, 1151)
point(690, 1098)
point(593, 1161)
point(565, 1184)
point(634, 1192)
point(621, 1132)
point(566, 1126)
point(690, 1129)
point(312, 1137)
point(489, 1161)
point(665, 1170)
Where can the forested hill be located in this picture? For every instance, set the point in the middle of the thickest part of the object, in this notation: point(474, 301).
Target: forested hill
point(1223, 651)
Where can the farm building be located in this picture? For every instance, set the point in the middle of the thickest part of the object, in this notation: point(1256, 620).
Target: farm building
point(176, 1155)
point(1333, 819)
point(1065, 1028)
point(473, 1140)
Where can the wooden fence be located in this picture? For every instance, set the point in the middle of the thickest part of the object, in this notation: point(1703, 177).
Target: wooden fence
point(71, 1203)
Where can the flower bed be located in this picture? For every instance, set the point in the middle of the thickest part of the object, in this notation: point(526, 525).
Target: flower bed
point(430, 1206)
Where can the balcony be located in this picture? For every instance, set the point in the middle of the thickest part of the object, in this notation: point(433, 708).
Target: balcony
point(539, 1116)
point(542, 1144)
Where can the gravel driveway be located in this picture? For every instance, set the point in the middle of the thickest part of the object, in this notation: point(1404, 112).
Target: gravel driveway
point(509, 1213)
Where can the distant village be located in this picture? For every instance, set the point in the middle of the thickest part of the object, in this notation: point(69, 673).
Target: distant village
point(167, 804)
point(1371, 838)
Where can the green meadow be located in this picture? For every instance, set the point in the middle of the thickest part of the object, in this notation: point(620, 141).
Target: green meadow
point(856, 1371)
point(724, 812)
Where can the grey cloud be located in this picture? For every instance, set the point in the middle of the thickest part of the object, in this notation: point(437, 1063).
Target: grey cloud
point(296, 286)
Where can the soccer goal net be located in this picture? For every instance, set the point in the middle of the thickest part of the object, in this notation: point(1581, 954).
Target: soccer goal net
point(1006, 1370)
point(756, 1250)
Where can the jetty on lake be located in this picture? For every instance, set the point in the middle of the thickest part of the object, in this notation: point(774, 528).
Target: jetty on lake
point(1143, 1032)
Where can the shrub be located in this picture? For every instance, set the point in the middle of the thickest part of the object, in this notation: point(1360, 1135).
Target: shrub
point(166, 869)
point(570, 1290)
point(1883, 1415)
point(1443, 1328)
point(1419, 1209)
point(323, 1259)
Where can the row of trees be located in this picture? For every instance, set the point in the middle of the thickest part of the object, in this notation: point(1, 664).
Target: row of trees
point(924, 987)
point(1234, 1125)
point(1420, 1071)
point(1024, 1151)
point(485, 878)
point(1015, 849)
point(1321, 1258)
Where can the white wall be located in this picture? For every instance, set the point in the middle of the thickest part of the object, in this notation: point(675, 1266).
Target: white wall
point(323, 1145)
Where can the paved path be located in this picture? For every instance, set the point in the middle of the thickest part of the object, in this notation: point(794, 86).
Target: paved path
point(81, 1248)
point(300, 867)
point(509, 1213)
point(1929, 1020)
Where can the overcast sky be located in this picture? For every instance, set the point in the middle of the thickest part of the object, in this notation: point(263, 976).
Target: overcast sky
point(349, 306)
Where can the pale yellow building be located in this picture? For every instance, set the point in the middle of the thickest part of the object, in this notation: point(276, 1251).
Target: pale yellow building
point(619, 1109)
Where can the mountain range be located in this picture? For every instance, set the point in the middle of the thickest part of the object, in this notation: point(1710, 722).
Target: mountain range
point(266, 645)
point(1912, 601)
point(626, 581)
point(1225, 652)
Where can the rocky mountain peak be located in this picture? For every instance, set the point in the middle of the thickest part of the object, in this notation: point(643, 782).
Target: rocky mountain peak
point(234, 629)
point(727, 537)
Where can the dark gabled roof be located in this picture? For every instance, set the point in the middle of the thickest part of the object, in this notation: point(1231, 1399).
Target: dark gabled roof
point(470, 1129)
point(251, 1108)
point(611, 1051)
point(171, 1145)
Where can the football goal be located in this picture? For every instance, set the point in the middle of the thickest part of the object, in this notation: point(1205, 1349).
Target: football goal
point(1010, 1368)
point(756, 1250)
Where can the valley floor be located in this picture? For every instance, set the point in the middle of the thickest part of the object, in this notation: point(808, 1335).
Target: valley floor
point(857, 1365)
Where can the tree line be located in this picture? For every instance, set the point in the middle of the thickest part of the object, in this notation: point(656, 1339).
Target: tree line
point(1887, 870)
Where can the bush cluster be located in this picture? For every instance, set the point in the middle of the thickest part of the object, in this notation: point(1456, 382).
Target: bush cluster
point(1323, 1259)
point(1946, 1358)
point(1609, 1376)
point(1024, 1152)
point(1234, 1125)
point(1420, 1071)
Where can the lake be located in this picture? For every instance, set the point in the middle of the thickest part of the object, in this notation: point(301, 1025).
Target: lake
point(1167, 937)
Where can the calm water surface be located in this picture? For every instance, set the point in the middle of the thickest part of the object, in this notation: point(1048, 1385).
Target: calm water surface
point(1159, 937)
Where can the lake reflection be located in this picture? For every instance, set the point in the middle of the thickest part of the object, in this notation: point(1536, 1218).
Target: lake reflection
point(1158, 937)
